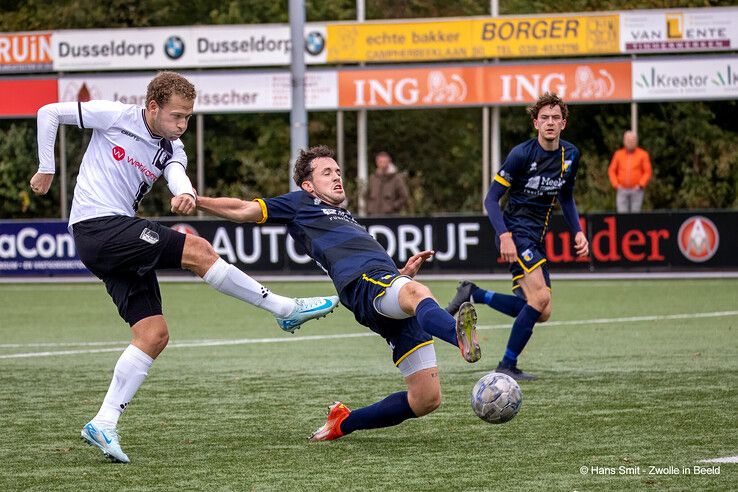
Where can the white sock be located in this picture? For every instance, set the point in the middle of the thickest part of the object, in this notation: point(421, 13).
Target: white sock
point(130, 371)
point(229, 280)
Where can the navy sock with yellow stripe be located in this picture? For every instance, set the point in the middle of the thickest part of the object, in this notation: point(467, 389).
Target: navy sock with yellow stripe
point(385, 413)
point(436, 321)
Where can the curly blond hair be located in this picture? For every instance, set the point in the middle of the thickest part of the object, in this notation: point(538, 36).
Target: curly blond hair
point(165, 84)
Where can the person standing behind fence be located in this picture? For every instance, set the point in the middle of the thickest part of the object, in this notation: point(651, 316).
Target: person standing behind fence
point(629, 172)
point(387, 191)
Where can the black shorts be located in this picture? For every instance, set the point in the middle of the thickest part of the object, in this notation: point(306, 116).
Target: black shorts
point(124, 252)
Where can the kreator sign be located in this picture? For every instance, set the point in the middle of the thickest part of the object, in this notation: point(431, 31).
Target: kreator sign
point(463, 244)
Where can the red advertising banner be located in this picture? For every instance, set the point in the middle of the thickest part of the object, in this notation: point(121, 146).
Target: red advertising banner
point(484, 84)
point(23, 97)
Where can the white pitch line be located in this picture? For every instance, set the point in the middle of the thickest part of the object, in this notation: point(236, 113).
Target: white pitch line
point(307, 338)
point(727, 459)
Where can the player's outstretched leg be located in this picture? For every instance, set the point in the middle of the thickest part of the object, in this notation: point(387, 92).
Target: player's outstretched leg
point(341, 421)
point(290, 313)
point(469, 292)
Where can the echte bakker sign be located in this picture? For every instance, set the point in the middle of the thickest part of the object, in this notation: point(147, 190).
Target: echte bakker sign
point(463, 244)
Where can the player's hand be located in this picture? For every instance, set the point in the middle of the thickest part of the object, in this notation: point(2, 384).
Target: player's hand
point(508, 251)
point(581, 245)
point(183, 204)
point(40, 183)
point(415, 262)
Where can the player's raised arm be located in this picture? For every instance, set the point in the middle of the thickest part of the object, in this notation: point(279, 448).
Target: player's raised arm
point(233, 209)
point(48, 119)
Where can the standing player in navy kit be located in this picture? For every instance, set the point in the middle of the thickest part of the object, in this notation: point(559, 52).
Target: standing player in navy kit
point(130, 148)
point(535, 173)
point(383, 298)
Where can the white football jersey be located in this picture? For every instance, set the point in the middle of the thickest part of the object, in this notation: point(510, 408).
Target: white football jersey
point(122, 161)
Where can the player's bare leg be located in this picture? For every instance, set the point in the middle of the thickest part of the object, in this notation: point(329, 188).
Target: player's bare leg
point(200, 257)
point(150, 337)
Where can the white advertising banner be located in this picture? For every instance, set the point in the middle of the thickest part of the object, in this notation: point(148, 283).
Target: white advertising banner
point(685, 79)
point(668, 31)
point(217, 92)
point(182, 47)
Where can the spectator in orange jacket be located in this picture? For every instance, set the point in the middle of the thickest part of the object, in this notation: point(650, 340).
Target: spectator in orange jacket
point(629, 172)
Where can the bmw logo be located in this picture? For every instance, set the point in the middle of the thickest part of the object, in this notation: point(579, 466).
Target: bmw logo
point(314, 43)
point(174, 47)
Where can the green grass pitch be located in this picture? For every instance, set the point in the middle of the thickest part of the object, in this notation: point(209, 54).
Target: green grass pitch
point(620, 386)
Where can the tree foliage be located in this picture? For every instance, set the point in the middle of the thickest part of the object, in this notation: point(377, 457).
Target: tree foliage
point(692, 145)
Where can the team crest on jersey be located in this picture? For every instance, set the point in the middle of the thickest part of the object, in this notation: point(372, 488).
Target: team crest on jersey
point(161, 159)
point(567, 166)
point(149, 236)
point(527, 255)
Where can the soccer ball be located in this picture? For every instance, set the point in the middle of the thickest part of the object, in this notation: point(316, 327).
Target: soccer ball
point(496, 398)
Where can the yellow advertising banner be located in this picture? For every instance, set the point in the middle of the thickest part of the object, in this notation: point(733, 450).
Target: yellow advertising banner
point(459, 39)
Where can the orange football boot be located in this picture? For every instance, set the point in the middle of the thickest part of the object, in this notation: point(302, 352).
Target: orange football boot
point(337, 413)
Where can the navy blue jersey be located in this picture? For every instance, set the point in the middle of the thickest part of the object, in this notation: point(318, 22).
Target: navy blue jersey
point(534, 178)
point(339, 245)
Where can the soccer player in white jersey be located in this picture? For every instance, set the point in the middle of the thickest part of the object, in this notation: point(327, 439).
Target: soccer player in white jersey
point(131, 147)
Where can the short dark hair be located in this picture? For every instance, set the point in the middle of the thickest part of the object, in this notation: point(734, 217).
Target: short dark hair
point(165, 84)
point(304, 162)
point(383, 153)
point(548, 99)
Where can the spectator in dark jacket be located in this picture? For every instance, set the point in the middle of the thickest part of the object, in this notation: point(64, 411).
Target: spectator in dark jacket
point(387, 191)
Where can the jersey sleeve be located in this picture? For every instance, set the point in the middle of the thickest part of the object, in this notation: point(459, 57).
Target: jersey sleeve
point(281, 209)
point(98, 115)
point(178, 154)
point(511, 168)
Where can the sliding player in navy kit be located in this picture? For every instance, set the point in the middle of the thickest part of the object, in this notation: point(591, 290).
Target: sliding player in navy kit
point(534, 175)
point(382, 297)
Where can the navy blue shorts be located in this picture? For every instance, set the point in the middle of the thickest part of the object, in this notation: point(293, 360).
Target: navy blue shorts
point(124, 252)
point(404, 336)
point(531, 255)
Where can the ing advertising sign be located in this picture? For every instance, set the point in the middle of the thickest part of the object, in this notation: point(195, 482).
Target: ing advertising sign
point(484, 84)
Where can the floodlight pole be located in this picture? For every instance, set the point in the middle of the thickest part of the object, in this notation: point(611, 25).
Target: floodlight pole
point(495, 140)
point(362, 166)
point(298, 113)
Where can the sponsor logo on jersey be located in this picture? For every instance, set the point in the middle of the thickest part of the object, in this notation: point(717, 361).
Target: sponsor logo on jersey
point(174, 47)
point(533, 183)
point(129, 134)
point(119, 153)
point(698, 239)
point(533, 167)
point(149, 236)
point(185, 229)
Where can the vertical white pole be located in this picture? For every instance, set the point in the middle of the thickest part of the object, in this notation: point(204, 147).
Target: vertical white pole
point(362, 165)
point(298, 113)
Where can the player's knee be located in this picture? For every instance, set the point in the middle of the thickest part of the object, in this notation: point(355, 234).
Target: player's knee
point(427, 403)
point(198, 255)
point(545, 314)
point(541, 301)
